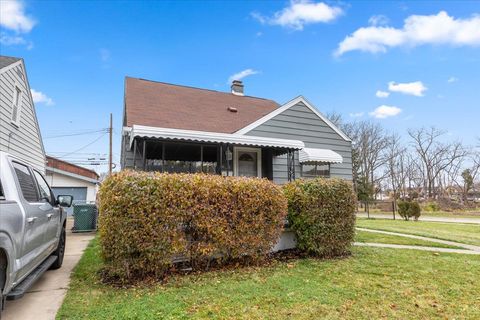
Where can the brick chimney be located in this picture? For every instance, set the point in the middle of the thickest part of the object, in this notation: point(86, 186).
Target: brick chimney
point(237, 87)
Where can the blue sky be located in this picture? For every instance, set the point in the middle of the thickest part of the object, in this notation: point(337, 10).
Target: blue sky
point(424, 57)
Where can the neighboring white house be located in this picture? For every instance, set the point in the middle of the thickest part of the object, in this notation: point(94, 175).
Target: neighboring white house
point(19, 131)
point(68, 178)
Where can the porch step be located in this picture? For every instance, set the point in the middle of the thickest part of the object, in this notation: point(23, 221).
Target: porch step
point(23, 286)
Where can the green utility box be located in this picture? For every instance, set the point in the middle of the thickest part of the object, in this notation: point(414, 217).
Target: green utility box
point(84, 217)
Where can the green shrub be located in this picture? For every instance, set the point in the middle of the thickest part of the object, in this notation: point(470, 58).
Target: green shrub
point(322, 214)
point(431, 207)
point(408, 209)
point(146, 219)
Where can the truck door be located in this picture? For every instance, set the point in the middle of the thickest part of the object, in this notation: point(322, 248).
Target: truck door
point(34, 248)
point(54, 215)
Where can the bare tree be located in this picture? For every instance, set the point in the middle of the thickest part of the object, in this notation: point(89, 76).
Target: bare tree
point(394, 164)
point(435, 156)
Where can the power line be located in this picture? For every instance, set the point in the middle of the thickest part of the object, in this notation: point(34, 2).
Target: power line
point(76, 134)
point(85, 146)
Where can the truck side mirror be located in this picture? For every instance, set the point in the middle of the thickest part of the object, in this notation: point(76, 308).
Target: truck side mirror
point(65, 200)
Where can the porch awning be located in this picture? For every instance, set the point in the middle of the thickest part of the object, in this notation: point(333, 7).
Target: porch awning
point(313, 155)
point(211, 137)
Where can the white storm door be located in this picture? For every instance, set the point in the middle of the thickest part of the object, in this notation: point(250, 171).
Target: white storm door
point(247, 162)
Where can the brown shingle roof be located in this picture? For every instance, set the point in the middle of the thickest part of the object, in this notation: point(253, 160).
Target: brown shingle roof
point(70, 167)
point(166, 105)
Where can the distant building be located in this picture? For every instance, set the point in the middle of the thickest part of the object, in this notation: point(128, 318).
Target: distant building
point(68, 178)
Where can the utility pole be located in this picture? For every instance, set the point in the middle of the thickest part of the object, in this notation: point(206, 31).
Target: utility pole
point(110, 164)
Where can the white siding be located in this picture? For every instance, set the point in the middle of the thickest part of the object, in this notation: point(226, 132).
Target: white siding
point(55, 179)
point(24, 141)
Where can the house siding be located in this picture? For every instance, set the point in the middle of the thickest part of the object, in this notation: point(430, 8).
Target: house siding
point(24, 141)
point(127, 155)
point(300, 123)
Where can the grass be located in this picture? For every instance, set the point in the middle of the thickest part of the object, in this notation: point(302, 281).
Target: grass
point(460, 214)
point(365, 236)
point(458, 232)
point(374, 283)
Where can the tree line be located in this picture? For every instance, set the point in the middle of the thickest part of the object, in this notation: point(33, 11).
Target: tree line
point(426, 165)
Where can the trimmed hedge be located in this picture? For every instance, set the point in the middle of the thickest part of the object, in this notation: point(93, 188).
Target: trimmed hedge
point(409, 209)
point(146, 219)
point(322, 214)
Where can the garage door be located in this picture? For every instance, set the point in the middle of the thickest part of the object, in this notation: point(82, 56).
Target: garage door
point(79, 194)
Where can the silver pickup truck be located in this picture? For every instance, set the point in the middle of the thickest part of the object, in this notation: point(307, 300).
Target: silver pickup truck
point(32, 227)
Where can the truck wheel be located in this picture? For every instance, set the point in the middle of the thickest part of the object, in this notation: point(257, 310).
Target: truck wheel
point(60, 252)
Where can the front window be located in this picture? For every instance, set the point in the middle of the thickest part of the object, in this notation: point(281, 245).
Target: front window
point(315, 170)
point(181, 158)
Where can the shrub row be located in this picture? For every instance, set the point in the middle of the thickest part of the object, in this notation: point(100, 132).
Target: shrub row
point(322, 214)
point(409, 209)
point(146, 219)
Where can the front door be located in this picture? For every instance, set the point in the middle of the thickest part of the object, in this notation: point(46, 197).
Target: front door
point(247, 162)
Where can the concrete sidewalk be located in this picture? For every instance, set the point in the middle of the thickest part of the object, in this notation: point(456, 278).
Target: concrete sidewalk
point(422, 248)
point(422, 218)
point(44, 299)
point(447, 242)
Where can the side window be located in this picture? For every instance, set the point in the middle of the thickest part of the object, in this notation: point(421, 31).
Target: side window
point(16, 104)
point(45, 192)
point(27, 184)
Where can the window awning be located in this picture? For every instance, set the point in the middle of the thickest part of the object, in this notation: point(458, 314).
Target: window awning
point(210, 137)
point(312, 155)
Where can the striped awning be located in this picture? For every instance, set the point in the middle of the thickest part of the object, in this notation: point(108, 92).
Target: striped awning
point(313, 155)
point(211, 137)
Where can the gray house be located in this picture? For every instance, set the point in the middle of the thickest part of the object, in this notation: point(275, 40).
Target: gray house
point(19, 130)
point(172, 128)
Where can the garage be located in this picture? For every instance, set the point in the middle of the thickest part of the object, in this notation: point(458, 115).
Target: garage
point(79, 194)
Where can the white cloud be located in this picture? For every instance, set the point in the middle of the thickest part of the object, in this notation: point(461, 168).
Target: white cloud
point(384, 111)
point(299, 13)
point(14, 17)
point(417, 30)
point(242, 74)
point(452, 79)
point(40, 97)
point(382, 94)
point(356, 114)
point(104, 54)
point(378, 20)
point(14, 40)
point(416, 88)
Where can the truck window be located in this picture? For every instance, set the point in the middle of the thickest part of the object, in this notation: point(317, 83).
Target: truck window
point(2, 195)
point(43, 187)
point(25, 179)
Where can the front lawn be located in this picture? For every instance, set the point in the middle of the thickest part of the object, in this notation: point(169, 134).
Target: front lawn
point(374, 283)
point(366, 236)
point(458, 232)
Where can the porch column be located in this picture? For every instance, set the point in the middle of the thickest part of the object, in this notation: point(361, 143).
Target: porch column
point(144, 154)
point(135, 154)
point(291, 164)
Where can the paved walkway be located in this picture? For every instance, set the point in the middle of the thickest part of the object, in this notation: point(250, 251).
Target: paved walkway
point(450, 243)
point(45, 297)
point(423, 218)
point(401, 246)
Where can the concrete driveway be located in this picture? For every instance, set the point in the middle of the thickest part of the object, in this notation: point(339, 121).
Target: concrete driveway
point(45, 297)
